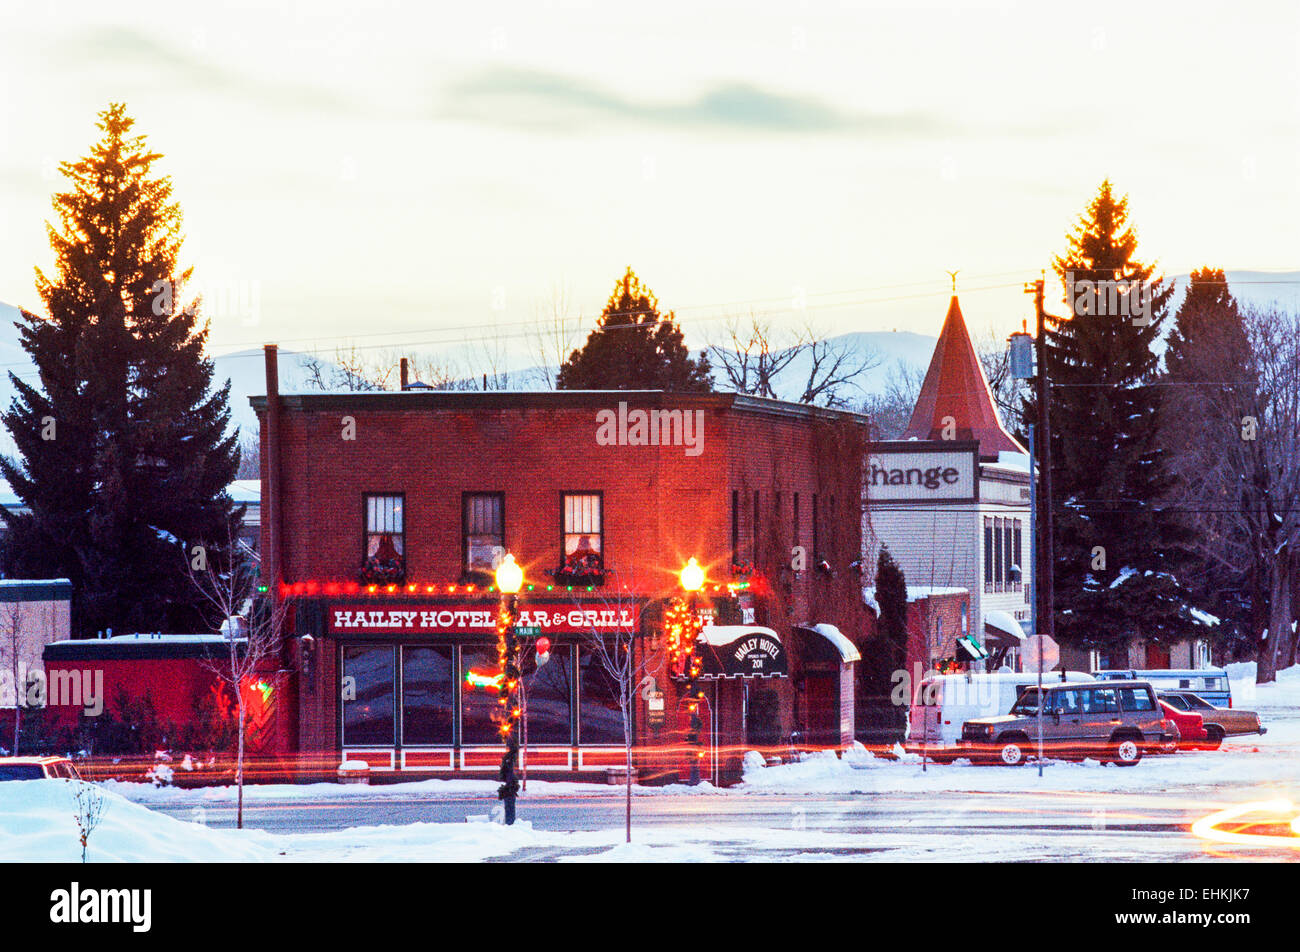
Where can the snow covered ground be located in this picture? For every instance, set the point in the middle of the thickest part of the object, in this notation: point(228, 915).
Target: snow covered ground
point(39, 815)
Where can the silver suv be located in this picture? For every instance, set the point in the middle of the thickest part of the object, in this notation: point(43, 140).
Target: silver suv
point(1109, 720)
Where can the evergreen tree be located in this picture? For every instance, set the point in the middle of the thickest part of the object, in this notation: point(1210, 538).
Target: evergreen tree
point(1118, 548)
point(891, 630)
point(125, 452)
point(634, 347)
point(1213, 388)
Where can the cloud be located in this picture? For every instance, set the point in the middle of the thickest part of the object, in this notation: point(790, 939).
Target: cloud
point(533, 99)
point(111, 51)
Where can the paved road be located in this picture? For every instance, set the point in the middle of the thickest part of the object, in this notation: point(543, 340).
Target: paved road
point(935, 825)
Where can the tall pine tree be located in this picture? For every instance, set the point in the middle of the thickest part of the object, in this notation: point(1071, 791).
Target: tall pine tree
point(634, 347)
point(125, 451)
point(1118, 548)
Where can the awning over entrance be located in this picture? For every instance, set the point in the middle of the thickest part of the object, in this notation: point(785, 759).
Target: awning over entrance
point(741, 651)
point(847, 650)
point(1002, 629)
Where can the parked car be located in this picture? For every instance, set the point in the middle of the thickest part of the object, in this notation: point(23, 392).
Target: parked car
point(37, 768)
point(1210, 683)
point(1110, 720)
point(1188, 727)
point(944, 702)
point(1220, 722)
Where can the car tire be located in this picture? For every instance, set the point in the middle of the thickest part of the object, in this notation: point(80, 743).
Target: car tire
point(1126, 751)
point(1213, 737)
point(1012, 753)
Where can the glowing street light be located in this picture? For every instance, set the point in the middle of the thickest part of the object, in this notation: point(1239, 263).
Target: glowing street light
point(692, 579)
point(692, 576)
point(510, 577)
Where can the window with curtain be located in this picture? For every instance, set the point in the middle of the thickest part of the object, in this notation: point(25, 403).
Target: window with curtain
point(483, 527)
point(385, 558)
point(584, 550)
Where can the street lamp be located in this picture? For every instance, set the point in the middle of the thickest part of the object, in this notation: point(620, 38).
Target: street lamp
point(692, 580)
point(510, 579)
point(692, 576)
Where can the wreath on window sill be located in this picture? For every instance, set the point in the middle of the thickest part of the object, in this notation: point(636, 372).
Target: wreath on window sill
point(377, 571)
point(742, 568)
point(580, 569)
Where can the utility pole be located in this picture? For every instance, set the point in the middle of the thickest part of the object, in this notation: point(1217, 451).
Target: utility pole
point(1046, 617)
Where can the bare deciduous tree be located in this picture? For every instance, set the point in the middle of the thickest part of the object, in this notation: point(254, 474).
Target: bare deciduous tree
point(251, 630)
point(1008, 392)
point(834, 366)
point(751, 355)
point(891, 410)
point(555, 333)
point(13, 638)
point(1235, 424)
point(250, 450)
point(627, 659)
point(91, 806)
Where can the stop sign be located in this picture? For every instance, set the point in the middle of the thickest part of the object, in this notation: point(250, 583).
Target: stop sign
point(1029, 652)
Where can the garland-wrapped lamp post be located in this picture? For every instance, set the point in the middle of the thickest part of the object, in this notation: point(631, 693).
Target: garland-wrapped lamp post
point(510, 579)
point(683, 630)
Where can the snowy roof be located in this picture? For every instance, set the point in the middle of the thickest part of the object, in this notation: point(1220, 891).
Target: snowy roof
point(1004, 621)
point(848, 651)
point(246, 490)
point(143, 638)
point(915, 593)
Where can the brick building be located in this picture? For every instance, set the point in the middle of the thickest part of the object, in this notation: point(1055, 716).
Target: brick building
point(383, 513)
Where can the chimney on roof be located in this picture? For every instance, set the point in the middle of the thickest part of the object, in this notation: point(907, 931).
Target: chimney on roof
point(405, 374)
point(271, 473)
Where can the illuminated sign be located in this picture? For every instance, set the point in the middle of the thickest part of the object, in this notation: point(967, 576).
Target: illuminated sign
point(538, 616)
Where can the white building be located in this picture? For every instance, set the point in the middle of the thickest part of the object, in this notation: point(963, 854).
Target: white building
point(952, 499)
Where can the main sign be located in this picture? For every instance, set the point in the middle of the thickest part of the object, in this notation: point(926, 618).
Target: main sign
point(922, 472)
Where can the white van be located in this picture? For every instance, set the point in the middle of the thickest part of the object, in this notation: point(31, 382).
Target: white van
point(943, 702)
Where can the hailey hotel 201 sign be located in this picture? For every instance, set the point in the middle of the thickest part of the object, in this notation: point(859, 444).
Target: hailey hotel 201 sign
point(907, 471)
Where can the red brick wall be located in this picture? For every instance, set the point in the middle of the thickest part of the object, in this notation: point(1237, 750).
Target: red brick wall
point(661, 506)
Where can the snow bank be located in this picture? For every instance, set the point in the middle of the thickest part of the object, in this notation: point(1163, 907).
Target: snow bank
point(39, 821)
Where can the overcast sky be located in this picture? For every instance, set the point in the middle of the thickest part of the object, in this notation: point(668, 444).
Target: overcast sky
point(433, 170)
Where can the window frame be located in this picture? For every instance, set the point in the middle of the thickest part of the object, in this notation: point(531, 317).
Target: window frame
point(465, 497)
point(600, 495)
point(365, 526)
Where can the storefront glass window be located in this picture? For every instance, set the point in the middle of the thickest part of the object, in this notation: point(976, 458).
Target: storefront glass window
point(478, 695)
point(599, 718)
point(368, 696)
point(427, 700)
point(549, 692)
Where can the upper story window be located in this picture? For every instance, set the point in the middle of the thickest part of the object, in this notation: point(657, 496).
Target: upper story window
point(1002, 550)
point(584, 543)
point(483, 528)
point(385, 549)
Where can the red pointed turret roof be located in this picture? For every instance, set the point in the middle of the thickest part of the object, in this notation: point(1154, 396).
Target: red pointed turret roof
point(955, 386)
